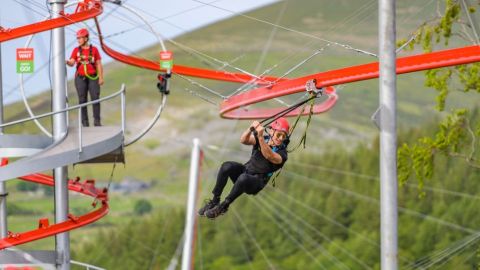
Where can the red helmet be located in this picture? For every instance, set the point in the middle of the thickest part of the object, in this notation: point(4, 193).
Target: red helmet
point(82, 33)
point(281, 124)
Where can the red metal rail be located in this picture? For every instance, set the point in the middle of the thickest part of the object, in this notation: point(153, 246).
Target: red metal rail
point(184, 70)
point(89, 10)
point(232, 107)
point(261, 113)
point(44, 228)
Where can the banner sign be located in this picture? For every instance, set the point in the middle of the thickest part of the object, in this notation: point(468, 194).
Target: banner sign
point(166, 60)
point(25, 60)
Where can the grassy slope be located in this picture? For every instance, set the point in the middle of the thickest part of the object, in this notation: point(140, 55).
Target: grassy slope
point(186, 116)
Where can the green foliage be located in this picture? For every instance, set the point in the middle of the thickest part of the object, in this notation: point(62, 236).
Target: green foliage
point(433, 32)
point(142, 207)
point(48, 191)
point(140, 244)
point(25, 186)
point(456, 129)
point(151, 144)
point(450, 139)
point(14, 209)
point(331, 210)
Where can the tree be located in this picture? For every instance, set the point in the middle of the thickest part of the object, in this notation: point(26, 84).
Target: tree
point(142, 207)
point(26, 186)
point(456, 135)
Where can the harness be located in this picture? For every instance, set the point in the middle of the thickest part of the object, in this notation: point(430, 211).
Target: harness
point(85, 60)
point(314, 93)
point(275, 149)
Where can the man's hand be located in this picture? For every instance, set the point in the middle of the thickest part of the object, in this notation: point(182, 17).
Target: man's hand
point(100, 81)
point(70, 62)
point(260, 130)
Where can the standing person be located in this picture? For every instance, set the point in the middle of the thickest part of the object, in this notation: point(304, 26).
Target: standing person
point(88, 74)
point(269, 154)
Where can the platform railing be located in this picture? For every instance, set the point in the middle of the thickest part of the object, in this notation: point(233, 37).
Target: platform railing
point(121, 93)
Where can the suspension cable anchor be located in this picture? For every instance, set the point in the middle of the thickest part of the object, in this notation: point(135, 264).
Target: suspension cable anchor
point(311, 88)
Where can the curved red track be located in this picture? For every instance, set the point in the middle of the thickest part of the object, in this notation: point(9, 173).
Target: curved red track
point(86, 12)
point(44, 229)
point(179, 69)
point(220, 76)
point(232, 107)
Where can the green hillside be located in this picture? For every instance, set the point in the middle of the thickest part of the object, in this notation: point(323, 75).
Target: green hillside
point(336, 140)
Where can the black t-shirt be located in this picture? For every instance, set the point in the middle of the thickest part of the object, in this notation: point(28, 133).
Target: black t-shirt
point(258, 164)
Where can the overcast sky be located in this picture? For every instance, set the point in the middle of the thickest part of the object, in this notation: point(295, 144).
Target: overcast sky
point(170, 18)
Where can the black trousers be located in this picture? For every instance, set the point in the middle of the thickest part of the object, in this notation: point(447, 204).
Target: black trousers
point(243, 182)
point(84, 86)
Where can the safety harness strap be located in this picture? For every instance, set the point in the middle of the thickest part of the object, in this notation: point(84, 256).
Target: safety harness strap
point(90, 60)
point(267, 121)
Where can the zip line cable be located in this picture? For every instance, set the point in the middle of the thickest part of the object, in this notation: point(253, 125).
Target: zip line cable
point(203, 54)
point(313, 229)
point(192, 81)
point(268, 44)
point(177, 254)
point(202, 97)
point(160, 109)
point(376, 201)
point(158, 19)
point(15, 88)
point(237, 233)
point(329, 219)
point(369, 177)
point(30, 8)
point(288, 234)
point(211, 91)
point(301, 233)
point(348, 47)
point(360, 12)
point(207, 157)
point(300, 64)
point(377, 179)
point(157, 248)
point(271, 266)
point(223, 62)
point(199, 240)
point(428, 261)
point(427, 218)
point(269, 198)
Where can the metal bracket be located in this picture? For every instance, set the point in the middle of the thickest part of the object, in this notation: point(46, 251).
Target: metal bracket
point(311, 88)
point(163, 84)
point(376, 117)
point(4, 194)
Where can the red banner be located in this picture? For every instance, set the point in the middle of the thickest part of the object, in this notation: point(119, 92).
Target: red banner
point(25, 54)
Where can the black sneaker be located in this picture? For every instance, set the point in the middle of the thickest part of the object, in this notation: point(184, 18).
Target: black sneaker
point(85, 123)
point(209, 204)
point(217, 211)
point(97, 123)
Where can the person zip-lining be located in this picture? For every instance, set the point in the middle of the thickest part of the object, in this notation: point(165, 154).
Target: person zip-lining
point(269, 154)
point(88, 74)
